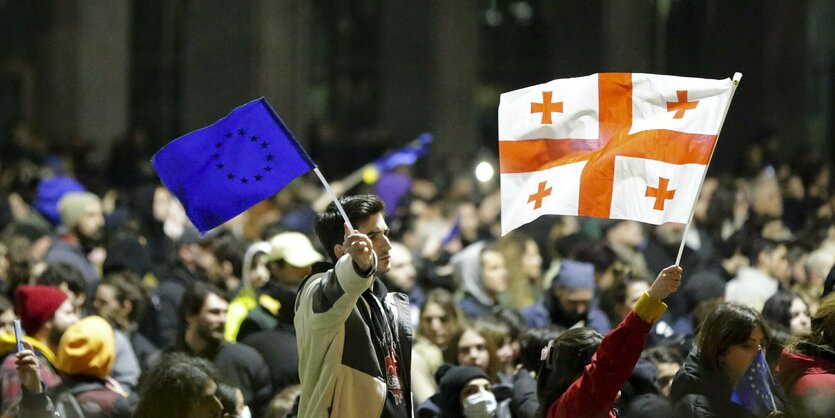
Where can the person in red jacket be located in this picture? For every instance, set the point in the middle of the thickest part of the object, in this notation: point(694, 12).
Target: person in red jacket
point(807, 368)
point(583, 372)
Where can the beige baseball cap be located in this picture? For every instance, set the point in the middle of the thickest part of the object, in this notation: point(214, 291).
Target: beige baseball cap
point(294, 248)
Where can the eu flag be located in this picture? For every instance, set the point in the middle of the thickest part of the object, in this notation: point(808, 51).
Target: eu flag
point(223, 169)
point(407, 155)
point(753, 391)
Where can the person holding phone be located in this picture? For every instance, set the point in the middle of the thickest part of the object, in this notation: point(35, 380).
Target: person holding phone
point(45, 313)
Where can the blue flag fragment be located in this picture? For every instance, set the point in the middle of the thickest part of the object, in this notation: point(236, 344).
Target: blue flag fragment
point(753, 391)
point(224, 169)
point(407, 155)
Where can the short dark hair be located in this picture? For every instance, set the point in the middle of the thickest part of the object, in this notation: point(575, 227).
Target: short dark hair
point(57, 274)
point(756, 246)
point(329, 223)
point(173, 387)
point(232, 249)
point(616, 295)
point(128, 288)
point(662, 354)
point(729, 324)
point(194, 298)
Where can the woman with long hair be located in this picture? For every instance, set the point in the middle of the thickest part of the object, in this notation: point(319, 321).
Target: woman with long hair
point(807, 368)
point(727, 342)
point(439, 321)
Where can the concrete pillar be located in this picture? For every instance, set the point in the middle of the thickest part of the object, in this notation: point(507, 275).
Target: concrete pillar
point(216, 62)
point(454, 79)
point(57, 115)
point(102, 72)
point(405, 60)
point(628, 33)
point(281, 56)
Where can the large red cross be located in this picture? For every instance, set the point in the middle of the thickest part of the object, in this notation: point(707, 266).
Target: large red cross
point(596, 181)
point(682, 105)
point(661, 194)
point(546, 107)
point(539, 195)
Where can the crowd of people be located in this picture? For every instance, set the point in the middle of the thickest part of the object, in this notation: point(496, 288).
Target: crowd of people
point(416, 307)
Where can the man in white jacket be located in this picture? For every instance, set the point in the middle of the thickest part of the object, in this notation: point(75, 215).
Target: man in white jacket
point(354, 337)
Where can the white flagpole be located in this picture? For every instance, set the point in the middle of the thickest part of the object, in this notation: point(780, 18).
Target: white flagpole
point(736, 78)
point(333, 196)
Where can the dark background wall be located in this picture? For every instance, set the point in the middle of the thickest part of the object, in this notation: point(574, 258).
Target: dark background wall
point(361, 76)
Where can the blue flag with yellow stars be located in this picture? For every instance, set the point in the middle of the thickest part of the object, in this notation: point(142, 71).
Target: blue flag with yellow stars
point(753, 391)
point(224, 169)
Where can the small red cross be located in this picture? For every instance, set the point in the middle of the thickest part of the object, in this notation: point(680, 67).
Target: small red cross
point(682, 105)
point(661, 194)
point(546, 107)
point(539, 195)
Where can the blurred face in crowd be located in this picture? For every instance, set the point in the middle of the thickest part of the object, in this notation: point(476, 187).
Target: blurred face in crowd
point(472, 350)
point(402, 271)
point(767, 198)
point(260, 274)
point(800, 321)
point(628, 233)
point(378, 231)
point(468, 219)
point(436, 324)
point(208, 405)
point(210, 322)
point(506, 352)
point(7, 318)
point(108, 306)
point(66, 315)
point(574, 302)
point(493, 272)
point(477, 399)
point(669, 233)
point(162, 204)
point(775, 263)
point(736, 359)
point(532, 260)
point(634, 292)
point(90, 223)
point(288, 273)
point(664, 376)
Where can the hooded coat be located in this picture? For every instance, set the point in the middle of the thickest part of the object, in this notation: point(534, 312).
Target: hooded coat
point(476, 302)
point(808, 375)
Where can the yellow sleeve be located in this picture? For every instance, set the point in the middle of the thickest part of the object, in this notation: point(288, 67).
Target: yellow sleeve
point(649, 308)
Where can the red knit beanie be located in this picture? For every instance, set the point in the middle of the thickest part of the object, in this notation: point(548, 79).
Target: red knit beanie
point(36, 305)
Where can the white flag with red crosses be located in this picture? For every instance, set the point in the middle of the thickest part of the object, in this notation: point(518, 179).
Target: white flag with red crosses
point(609, 145)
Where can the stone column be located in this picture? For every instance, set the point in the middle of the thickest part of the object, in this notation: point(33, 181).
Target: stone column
point(454, 80)
point(281, 30)
point(102, 72)
point(628, 28)
point(405, 62)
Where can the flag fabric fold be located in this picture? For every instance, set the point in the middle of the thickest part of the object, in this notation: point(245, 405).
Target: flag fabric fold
point(753, 391)
point(223, 169)
point(609, 145)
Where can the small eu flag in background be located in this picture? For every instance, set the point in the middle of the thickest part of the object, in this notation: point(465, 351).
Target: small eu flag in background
point(223, 169)
point(753, 391)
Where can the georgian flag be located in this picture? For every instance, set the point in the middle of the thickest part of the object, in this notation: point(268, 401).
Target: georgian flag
point(609, 145)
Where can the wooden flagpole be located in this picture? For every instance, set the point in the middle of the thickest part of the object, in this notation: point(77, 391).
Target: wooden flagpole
point(736, 78)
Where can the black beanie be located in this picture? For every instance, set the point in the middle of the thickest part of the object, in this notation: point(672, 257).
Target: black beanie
point(450, 387)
